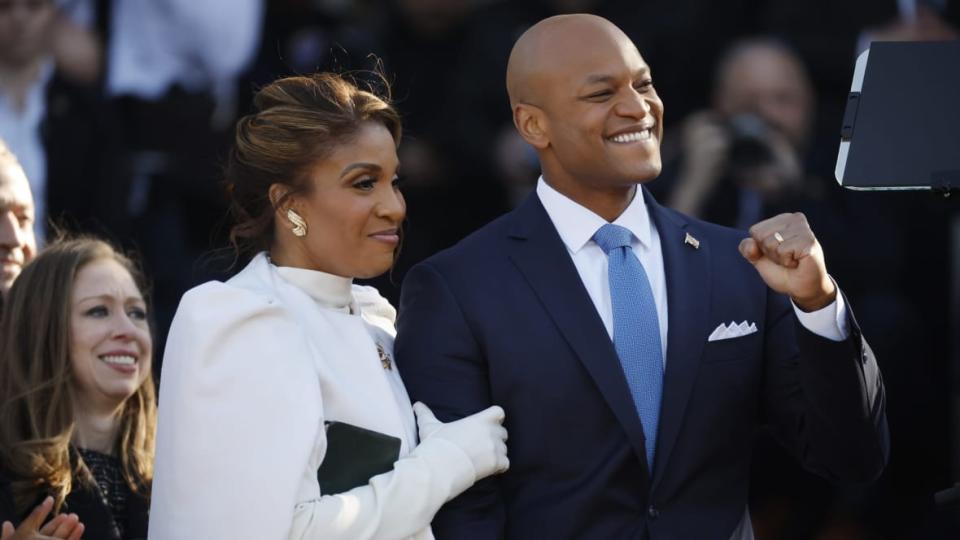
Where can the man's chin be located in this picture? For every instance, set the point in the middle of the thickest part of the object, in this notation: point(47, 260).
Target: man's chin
point(643, 174)
point(5, 285)
point(8, 274)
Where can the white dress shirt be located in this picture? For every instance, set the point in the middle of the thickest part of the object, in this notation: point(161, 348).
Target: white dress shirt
point(201, 46)
point(576, 226)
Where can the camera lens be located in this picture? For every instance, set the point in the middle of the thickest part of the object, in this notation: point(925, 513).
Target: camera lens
point(748, 145)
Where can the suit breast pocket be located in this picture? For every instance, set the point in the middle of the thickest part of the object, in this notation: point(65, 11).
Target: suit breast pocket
point(733, 349)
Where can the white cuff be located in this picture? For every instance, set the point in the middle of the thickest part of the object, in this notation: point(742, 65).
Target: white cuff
point(450, 465)
point(829, 322)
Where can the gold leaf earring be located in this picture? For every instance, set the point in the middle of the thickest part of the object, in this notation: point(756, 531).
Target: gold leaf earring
point(299, 224)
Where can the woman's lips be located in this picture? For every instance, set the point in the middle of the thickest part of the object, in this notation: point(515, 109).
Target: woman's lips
point(389, 236)
point(122, 362)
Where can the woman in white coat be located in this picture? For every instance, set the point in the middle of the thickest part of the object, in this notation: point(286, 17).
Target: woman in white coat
point(255, 367)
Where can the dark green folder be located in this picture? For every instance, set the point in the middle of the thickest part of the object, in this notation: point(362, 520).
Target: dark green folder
point(354, 456)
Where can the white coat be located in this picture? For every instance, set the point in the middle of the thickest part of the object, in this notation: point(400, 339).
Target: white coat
point(252, 369)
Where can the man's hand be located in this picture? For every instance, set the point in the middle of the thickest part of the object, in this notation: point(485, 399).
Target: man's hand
point(62, 527)
point(706, 147)
point(788, 257)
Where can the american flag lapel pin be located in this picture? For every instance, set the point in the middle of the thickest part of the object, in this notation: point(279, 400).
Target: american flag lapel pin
point(691, 241)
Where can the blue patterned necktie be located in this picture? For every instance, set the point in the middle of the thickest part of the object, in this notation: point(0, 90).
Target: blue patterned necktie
point(636, 329)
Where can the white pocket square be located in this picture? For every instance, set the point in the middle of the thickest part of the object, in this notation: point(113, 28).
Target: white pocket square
point(732, 330)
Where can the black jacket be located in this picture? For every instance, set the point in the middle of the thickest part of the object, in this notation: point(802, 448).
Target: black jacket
point(87, 502)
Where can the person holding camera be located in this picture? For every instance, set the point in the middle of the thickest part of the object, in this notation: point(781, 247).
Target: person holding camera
point(743, 157)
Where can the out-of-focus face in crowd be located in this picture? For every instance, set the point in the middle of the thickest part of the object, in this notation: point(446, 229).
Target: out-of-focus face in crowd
point(434, 17)
point(23, 29)
point(110, 344)
point(771, 83)
point(17, 242)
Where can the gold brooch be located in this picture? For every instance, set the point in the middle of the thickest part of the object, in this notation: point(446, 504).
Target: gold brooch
point(384, 358)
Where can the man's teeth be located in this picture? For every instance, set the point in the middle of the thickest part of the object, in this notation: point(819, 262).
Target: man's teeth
point(119, 360)
point(632, 137)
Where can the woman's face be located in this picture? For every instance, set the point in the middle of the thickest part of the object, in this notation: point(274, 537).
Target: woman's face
point(110, 344)
point(354, 209)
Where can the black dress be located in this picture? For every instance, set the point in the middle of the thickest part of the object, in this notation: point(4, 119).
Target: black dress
point(109, 510)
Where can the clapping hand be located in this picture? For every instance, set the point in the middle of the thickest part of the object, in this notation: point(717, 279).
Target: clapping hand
point(62, 527)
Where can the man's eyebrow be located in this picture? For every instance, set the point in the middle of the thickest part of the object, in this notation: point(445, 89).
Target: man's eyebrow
point(601, 78)
point(592, 79)
point(13, 206)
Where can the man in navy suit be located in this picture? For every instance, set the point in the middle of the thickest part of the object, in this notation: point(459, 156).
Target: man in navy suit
point(636, 372)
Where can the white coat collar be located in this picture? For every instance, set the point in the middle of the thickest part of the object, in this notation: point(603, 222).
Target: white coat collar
point(328, 290)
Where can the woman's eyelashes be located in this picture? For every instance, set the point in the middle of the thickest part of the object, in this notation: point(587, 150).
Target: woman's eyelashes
point(97, 312)
point(102, 311)
point(368, 183)
point(365, 183)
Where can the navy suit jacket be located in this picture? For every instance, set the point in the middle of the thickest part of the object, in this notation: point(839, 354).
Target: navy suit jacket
point(503, 318)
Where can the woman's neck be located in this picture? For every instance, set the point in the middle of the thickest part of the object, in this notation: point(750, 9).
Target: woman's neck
point(97, 430)
point(296, 256)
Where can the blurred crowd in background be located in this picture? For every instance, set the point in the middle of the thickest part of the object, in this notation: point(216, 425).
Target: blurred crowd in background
point(121, 113)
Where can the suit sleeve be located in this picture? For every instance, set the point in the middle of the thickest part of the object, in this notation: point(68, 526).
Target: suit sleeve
point(442, 365)
point(824, 399)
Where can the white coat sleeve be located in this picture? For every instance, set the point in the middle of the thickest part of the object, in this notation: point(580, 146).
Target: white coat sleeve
point(239, 414)
point(394, 505)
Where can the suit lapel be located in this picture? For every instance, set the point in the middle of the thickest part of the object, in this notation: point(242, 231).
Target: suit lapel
point(687, 273)
point(543, 260)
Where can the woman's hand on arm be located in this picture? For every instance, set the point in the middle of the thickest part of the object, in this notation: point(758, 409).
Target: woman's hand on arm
point(451, 457)
point(481, 436)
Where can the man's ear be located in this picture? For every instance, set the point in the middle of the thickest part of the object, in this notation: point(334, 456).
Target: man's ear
point(532, 124)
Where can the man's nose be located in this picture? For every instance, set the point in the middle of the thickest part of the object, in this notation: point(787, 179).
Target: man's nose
point(634, 105)
point(10, 234)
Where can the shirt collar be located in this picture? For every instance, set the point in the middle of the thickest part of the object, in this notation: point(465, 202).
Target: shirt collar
point(576, 224)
